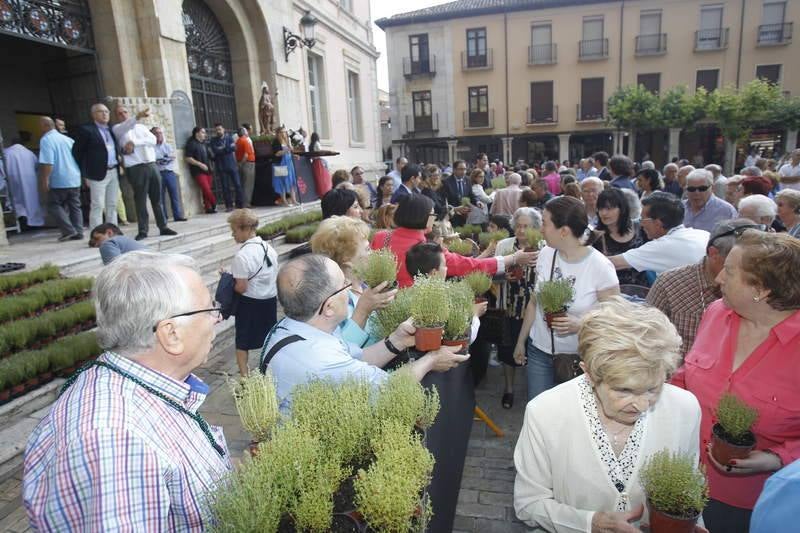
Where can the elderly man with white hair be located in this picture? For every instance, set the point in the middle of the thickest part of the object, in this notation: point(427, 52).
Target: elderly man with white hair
point(720, 181)
point(671, 180)
point(591, 188)
point(123, 447)
point(506, 200)
point(758, 208)
point(648, 164)
point(702, 208)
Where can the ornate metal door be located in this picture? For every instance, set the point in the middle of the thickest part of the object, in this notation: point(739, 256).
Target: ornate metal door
point(209, 61)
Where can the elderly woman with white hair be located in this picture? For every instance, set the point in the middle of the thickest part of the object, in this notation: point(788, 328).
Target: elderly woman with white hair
point(788, 205)
point(591, 187)
point(583, 442)
point(515, 293)
point(758, 208)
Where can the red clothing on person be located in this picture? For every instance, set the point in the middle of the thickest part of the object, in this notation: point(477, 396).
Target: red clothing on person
point(204, 180)
point(767, 380)
point(244, 149)
point(401, 239)
point(553, 183)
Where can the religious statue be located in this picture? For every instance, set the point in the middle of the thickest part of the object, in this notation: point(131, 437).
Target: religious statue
point(266, 110)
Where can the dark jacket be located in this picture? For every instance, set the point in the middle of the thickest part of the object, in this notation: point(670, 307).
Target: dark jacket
point(198, 151)
point(451, 192)
point(439, 201)
point(223, 148)
point(90, 151)
point(401, 192)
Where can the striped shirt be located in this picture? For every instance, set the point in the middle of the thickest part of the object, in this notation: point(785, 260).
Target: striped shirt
point(111, 456)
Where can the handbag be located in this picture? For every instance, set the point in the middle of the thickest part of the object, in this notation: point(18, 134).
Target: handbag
point(226, 296)
point(280, 171)
point(566, 366)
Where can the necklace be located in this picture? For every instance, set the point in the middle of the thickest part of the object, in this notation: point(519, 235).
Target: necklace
point(204, 427)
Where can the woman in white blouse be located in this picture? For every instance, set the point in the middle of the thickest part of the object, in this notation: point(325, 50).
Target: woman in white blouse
point(482, 200)
point(583, 442)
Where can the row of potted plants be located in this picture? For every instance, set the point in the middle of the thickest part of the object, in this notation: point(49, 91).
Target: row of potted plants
point(12, 283)
point(44, 296)
point(349, 457)
point(20, 334)
point(302, 233)
point(273, 229)
point(28, 369)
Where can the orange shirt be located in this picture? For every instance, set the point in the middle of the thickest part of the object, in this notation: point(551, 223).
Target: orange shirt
point(244, 148)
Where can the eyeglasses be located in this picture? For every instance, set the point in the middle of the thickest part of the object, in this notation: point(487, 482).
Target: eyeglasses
point(215, 314)
point(702, 188)
point(737, 232)
point(321, 307)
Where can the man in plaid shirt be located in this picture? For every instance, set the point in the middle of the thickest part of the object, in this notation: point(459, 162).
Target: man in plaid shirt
point(123, 448)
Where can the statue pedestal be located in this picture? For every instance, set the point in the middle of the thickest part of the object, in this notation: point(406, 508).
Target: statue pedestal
point(264, 193)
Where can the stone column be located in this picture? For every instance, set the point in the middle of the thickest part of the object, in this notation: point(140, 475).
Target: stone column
point(791, 141)
point(617, 136)
point(452, 145)
point(507, 150)
point(674, 143)
point(3, 239)
point(730, 157)
point(563, 146)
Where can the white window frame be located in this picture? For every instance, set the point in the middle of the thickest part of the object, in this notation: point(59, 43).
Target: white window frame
point(355, 117)
point(318, 96)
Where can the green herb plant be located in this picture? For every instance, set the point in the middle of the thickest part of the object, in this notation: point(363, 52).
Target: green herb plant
point(257, 403)
point(735, 416)
point(498, 182)
point(460, 247)
point(674, 484)
point(555, 295)
point(479, 282)
point(380, 266)
point(533, 238)
point(403, 398)
point(383, 322)
point(430, 304)
point(461, 310)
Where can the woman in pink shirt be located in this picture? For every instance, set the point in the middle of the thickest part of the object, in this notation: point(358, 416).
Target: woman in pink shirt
point(749, 344)
point(552, 177)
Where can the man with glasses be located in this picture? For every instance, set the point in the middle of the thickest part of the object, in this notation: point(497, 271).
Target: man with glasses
point(124, 447)
point(702, 208)
point(305, 345)
point(684, 293)
point(357, 174)
point(457, 187)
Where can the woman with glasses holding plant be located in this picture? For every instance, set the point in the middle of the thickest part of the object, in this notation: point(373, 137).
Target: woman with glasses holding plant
point(583, 443)
point(254, 267)
point(748, 344)
point(566, 258)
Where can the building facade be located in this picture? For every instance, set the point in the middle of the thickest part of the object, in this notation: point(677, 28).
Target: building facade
point(529, 79)
point(194, 62)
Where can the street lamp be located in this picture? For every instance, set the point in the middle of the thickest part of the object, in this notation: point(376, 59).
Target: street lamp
point(292, 40)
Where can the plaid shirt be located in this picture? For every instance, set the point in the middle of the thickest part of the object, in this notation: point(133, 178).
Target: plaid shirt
point(683, 294)
point(111, 456)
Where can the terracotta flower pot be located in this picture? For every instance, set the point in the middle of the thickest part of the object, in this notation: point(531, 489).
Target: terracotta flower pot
point(32, 382)
point(514, 273)
point(666, 523)
point(463, 343)
point(428, 339)
point(47, 376)
point(5, 395)
point(548, 317)
point(16, 390)
point(723, 451)
point(252, 448)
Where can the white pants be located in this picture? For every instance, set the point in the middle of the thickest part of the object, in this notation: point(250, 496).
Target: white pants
point(104, 198)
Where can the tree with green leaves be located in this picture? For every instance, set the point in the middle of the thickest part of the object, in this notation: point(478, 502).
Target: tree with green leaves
point(679, 109)
point(633, 108)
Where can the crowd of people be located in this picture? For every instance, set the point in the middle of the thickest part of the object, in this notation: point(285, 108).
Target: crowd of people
point(683, 287)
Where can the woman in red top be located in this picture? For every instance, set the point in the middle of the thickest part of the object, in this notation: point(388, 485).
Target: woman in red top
point(413, 219)
point(749, 344)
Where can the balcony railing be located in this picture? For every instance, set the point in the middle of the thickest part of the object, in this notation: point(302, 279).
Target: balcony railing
point(651, 45)
point(422, 67)
point(540, 115)
point(426, 126)
point(593, 113)
point(482, 120)
point(542, 54)
point(477, 62)
point(711, 39)
point(772, 34)
point(592, 49)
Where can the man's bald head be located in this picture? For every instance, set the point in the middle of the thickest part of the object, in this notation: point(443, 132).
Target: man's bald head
point(46, 124)
point(305, 283)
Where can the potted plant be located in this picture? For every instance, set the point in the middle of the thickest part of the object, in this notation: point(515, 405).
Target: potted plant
point(257, 404)
point(383, 322)
point(732, 435)
point(460, 247)
point(379, 267)
point(555, 296)
point(401, 397)
point(498, 183)
point(430, 307)
point(533, 239)
point(676, 491)
point(485, 239)
point(456, 329)
point(480, 283)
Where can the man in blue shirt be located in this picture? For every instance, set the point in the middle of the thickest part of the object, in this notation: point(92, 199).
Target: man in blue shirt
point(702, 209)
point(111, 242)
point(313, 293)
point(59, 173)
point(777, 506)
point(223, 148)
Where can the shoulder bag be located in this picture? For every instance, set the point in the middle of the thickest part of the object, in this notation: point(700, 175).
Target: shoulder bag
point(565, 365)
point(226, 297)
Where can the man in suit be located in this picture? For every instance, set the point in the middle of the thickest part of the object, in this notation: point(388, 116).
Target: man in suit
point(457, 187)
point(600, 162)
point(410, 175)
point(95, 150)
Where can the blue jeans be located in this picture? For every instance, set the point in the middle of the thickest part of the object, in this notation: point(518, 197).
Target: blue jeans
point(169, 183)
point(539, 370)
point(230, 176)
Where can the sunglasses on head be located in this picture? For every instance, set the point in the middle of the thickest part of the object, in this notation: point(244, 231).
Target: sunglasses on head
point(737, 232)
point(702, 188)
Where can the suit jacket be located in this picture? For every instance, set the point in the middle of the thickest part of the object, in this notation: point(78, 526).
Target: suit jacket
point(450, 186)
point(604, 174)
point(90, 151)
point(401, 192)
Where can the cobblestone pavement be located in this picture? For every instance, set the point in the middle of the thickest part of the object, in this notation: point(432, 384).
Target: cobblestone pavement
point(485, 500)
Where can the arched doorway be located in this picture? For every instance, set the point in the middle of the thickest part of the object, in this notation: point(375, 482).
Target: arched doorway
point(209, 59)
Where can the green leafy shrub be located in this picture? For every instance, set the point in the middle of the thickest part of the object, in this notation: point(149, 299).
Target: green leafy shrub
point(498, 182)
point(21, 333)
point(301, 233)
point(257, 403)
point(467, 230)
point(281, 226)
point(461, 310)
point(380, 266)
point(388, 494)
point(735, 416)
point(461, 247)
point(383, 322)
point(14, 369)
point(533, 238)
point(478, 282)
point(465, 201)
point(10, 282)
point(47, 293)
point(555, 295)
point(401, 397)
point(673, 484)
point(430, 304)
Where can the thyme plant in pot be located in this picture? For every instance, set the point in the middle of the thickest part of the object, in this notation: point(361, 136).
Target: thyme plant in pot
point(732, 435)
point(456, 329)
point(430, 306)
point(676, 491)
point(380, 266)
point(555, 296)
point(533, 239)
point(257, 404)
point(480, 284)
point(460, 247)
point(383, 322)
point(401, 397)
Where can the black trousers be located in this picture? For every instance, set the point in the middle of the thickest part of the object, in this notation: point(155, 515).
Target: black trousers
point(146, 182)
point(723, 518)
